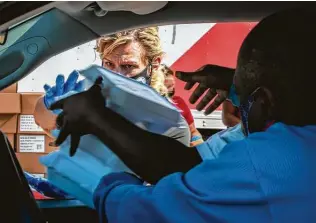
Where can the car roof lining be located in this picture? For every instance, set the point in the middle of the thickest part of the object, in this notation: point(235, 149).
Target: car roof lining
point(172, 13)
point(181, 13)
point(137, 7)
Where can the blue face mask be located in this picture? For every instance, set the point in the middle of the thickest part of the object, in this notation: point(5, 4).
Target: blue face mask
point(233, 97)
point(244, 112)
point(243, 107)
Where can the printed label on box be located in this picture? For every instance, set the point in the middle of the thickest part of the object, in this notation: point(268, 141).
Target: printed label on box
point(38, 175)
point(27, 124)
point(32, 144)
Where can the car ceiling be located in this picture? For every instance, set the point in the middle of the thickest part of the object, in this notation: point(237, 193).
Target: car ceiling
point(127, 14)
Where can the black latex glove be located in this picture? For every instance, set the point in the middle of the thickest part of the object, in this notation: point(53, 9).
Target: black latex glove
point(80, 112)
point(216, 80)
point(150, 156)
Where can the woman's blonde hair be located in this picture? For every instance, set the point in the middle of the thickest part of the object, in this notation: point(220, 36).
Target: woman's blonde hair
point(149, 40)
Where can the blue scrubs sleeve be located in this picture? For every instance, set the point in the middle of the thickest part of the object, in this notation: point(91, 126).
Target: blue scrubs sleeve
point(225, 189)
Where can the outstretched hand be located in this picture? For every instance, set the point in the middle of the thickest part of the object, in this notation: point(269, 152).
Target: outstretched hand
point(62, 88)
point(79, 112)
point(216, 80)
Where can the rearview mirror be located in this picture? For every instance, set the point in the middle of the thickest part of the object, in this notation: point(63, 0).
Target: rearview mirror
point(3, 37)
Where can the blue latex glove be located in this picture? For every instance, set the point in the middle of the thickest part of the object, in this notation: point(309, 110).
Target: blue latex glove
point(61, 88)
point(44, 187)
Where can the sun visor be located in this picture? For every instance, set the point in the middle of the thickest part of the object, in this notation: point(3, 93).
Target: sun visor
point(137, 7)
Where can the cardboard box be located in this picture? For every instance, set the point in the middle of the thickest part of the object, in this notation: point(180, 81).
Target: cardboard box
point(11, 138)
point(30, 143)
point(30, 162)
point(26, 124)
point(8, 123)
point(11, 89)
point(29, 101)
point(10, 103)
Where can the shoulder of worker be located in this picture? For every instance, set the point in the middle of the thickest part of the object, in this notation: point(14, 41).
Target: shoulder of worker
point(275, 146)
point(277, 135)
point(281, 144)
point(282, 152)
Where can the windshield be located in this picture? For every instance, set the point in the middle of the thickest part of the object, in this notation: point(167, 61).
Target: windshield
point(208, 43)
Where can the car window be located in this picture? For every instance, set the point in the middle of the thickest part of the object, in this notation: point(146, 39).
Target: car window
point(187, 47)
point(17, 31)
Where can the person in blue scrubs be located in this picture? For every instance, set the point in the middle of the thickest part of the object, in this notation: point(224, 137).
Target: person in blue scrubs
point(269, 176)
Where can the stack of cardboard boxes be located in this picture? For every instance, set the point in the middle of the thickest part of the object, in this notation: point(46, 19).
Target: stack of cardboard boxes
point(9, 110)
point(17, 122)
point(31, 141)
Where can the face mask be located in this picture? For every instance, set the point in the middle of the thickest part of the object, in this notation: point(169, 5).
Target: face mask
point(143, 77)
point(233, 97)
point(244, 112)
point(245, 109)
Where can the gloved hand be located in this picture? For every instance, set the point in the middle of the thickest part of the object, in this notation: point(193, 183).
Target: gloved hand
point(214, 79)
point(76, 118)
point(61, 88)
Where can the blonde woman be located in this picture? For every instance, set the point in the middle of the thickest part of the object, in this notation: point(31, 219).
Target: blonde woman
point(135, 54)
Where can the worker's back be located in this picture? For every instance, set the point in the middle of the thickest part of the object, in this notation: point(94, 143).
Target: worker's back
point(268, 177)
point(284, 162)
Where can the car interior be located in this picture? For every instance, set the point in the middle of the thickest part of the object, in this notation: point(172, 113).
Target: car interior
point(33, 32)
point(18, 195)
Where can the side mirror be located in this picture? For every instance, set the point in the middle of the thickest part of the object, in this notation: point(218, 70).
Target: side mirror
point(3, 37)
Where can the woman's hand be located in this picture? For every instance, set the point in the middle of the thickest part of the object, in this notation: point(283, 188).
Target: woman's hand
point(214, 79)
point(61, 88)
point(80, 113)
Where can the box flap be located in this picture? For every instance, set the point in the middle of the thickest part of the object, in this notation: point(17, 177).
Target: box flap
point(11, 89)
point(12, 102)
point(8, 123)
point(29, 101)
